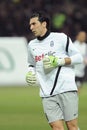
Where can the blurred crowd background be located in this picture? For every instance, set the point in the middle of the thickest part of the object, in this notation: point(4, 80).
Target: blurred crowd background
point(68, 16)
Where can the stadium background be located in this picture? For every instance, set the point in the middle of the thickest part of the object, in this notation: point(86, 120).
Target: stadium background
point(68, 16)
point(20, 107)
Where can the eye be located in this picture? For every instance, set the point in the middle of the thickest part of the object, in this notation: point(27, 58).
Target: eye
point(33, 23)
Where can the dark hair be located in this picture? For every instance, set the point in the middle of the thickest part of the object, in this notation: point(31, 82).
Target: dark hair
point(42, 16)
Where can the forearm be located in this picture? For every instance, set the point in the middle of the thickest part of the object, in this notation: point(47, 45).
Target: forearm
point(51, 62)
point(67, 61)
point(76, 59)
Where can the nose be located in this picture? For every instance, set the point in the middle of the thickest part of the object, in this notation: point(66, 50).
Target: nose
point(31, 27)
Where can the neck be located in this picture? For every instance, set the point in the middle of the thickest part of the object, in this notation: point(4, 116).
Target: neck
point(44, 36)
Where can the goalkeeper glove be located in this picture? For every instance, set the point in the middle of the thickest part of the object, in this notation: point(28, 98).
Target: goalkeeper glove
point(31, 78)
point(51, 62)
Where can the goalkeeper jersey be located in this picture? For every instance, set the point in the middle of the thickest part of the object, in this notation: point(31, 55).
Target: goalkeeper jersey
point(54, 44)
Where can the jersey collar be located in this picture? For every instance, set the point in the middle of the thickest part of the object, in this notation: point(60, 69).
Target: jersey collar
point(46, 34)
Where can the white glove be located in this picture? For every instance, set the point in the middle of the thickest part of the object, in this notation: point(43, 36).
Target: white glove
point(31, 78)
point(51, 62)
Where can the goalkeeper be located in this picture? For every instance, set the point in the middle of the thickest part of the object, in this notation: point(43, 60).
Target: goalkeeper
point(51, 57)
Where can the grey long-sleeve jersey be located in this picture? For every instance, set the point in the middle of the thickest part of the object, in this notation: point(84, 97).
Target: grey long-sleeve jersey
point(54, 44)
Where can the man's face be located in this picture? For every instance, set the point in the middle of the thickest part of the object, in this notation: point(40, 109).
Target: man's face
point(37, 27)
point(82, 37)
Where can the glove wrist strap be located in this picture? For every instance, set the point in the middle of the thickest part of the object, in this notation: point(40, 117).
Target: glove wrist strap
point(31, 69)
point(61, 61)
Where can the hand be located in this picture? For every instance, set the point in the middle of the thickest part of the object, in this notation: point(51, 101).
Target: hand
point(31, 78)
point(51, 62)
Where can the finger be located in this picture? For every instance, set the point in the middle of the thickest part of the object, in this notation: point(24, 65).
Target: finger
point(46, 59)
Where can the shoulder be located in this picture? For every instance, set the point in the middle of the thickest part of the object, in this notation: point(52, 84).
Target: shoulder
point(32, 42)
point(85, 44)
point(76, 42)
point(58, 34)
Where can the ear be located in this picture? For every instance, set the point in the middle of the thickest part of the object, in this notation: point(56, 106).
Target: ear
point(44, 24)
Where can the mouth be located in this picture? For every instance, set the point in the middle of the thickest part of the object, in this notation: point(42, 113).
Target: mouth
point(34, 32)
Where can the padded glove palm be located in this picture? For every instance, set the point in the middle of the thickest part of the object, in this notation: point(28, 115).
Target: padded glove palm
point(51, 62)
point(31, 78)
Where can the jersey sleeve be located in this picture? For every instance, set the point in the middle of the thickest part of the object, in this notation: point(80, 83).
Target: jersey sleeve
point(31, 61)
point(74, 53)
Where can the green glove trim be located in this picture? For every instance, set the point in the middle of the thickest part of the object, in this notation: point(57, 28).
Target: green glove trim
point(54, 61)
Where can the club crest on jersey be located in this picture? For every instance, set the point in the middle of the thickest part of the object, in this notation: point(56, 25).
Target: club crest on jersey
point(51, 44)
